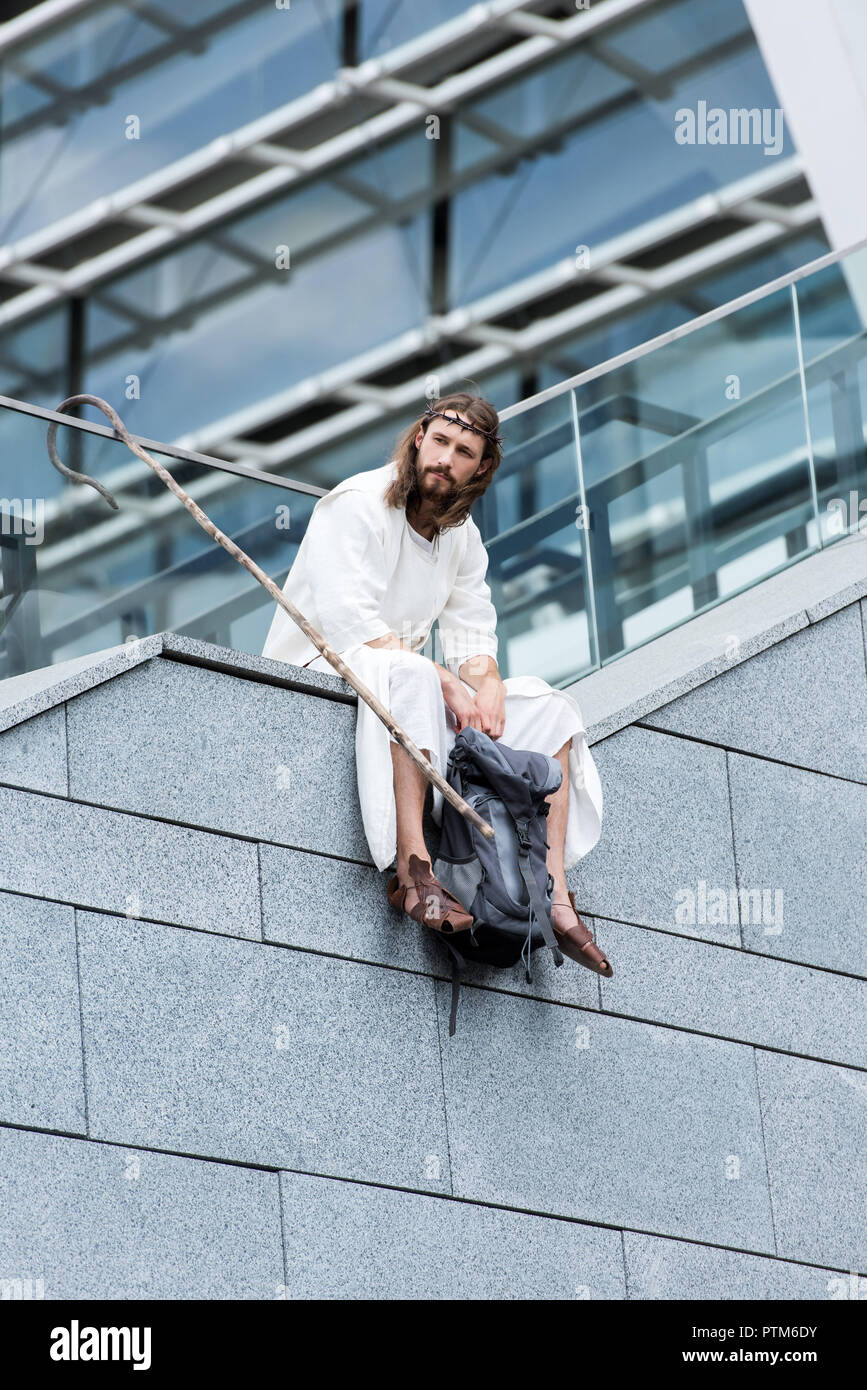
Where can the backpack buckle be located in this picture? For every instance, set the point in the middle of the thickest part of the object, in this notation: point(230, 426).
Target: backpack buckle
point(522, 828)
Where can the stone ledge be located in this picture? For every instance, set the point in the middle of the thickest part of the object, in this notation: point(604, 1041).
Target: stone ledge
point(22, 697)
point(620, 693)
point(665, 668)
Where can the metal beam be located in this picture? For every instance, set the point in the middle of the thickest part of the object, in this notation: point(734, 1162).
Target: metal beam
point(445, 95)
point(519, 295)
point(760, 210)
point(46, 16)
point(323, 101)
point(522, 22)
point(93, 92)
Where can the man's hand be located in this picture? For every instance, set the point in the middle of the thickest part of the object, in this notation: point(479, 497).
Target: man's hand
point(491, 705)
point(462, 704)
point(485, 711)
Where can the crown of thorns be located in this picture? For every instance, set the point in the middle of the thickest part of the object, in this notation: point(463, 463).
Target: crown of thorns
point(456, 419)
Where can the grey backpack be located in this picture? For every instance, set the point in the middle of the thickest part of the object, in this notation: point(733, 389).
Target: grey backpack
point(503, 882)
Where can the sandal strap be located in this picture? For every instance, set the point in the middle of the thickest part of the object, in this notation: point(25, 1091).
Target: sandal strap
point(587, 938)
point(423, 878)
point(427, 887)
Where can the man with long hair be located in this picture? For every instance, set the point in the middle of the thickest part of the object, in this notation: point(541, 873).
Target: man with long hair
point(386, 553)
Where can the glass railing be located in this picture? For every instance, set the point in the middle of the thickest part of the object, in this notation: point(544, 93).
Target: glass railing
point(637, 495)
point(79, 577)
point(629, 499)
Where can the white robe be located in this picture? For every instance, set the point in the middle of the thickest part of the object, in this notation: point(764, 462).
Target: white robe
point(361, 572)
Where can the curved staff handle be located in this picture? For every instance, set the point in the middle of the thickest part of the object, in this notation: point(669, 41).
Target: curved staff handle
point(340, 666)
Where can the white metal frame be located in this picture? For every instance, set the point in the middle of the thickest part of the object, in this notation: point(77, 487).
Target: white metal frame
point(135, 203)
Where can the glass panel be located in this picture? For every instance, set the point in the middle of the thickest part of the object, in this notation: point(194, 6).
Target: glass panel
point(600, 342)
point(386, 23)
point(215, 351)
point(79, 577)
point(696, 458)
point(832, 306)
point(229, 295)
point(66, 98)
point(677, 33)
point(33, 359)
point(594, 120)
point(697, 472)
point(529, 519)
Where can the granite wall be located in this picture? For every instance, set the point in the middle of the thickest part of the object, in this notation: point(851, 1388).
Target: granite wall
point(226, 1069)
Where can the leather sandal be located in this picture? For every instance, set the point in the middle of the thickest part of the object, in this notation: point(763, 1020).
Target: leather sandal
point(436, 906)
point(578, 943)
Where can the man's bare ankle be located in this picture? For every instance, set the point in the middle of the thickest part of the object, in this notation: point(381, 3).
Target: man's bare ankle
point(403, 859)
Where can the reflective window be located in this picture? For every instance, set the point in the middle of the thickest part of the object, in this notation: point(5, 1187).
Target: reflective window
point(386, 23)
point(603, 174)
point(33, 359)
point(66, 99)
point(628, 330)
point(286, 327)
point(677, 33)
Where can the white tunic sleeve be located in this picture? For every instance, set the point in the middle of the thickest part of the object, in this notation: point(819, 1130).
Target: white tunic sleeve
point(468, 621)
point(346, 569)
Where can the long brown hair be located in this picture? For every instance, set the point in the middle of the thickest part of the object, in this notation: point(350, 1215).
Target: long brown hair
point(404, 487)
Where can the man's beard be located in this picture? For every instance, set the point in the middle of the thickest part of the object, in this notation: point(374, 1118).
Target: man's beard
point(441, 498)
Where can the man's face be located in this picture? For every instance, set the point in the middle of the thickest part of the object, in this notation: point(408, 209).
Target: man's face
point(448, 457)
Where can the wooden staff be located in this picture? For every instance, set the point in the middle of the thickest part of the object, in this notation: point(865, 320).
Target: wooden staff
point(331, 656)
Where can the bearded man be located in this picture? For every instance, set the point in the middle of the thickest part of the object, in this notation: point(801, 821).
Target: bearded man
point(386, 553)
